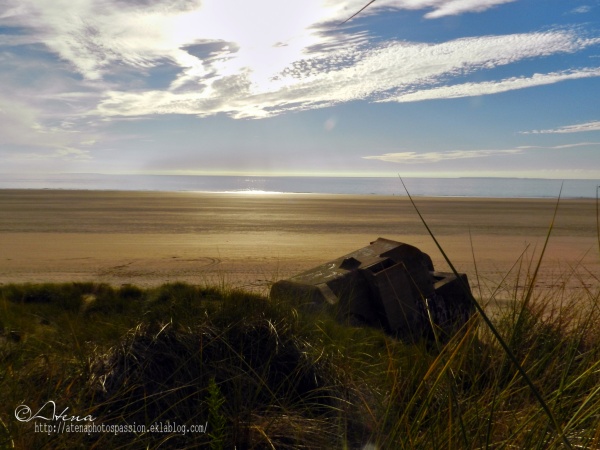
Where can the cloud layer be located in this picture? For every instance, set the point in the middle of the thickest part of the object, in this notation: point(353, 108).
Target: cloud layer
point(70, 67)
point(225, 56)
point(390, 72)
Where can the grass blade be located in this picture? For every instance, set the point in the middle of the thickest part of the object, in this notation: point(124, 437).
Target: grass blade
point(491, 326)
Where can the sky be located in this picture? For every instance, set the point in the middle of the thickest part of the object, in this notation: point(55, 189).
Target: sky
point(433, 88)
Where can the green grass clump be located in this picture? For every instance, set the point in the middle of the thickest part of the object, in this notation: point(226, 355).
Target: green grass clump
point(255, 373)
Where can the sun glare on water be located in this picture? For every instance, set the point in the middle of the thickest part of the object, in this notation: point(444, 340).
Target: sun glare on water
point(254, 192)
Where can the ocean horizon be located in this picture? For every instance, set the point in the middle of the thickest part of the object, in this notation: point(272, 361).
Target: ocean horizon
point(428, 187)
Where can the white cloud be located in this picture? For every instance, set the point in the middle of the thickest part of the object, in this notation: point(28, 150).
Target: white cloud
point(434, 157)
point(581, 9)
point(558, 147)
point(21, 127)
point(440, 8)
point(393, 71)
point(578, 128)
point(455, 7)
point(96, 35)
point(262, 58)
point(494, 87)
point(14, 119)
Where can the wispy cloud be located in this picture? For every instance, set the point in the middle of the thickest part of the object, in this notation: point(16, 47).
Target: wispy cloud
point(584, 9)
point(439, 8)
point(494, 87)
point(259, 66)
point(95, 36)
point(393, 71)
point(578, 128)
point(22, 126)
point(434, 157)
point(456, 7)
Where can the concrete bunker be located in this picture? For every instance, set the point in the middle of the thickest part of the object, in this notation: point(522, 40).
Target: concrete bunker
point(388, 285)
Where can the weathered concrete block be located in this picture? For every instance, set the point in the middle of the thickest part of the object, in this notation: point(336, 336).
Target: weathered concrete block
point(388, 285)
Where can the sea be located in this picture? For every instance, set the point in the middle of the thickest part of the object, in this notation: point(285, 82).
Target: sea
point(430, 187)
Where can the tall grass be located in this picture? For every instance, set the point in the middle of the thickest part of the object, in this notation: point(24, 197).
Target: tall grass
point(252, 372)
point(506, 346)
point(269, 375)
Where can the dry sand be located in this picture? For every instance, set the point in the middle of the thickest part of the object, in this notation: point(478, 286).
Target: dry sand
point(149, 238)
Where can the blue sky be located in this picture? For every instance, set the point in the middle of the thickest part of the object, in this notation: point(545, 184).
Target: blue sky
point(412, 87)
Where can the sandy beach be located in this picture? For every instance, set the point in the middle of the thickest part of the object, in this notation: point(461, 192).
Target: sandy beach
point(242, 240)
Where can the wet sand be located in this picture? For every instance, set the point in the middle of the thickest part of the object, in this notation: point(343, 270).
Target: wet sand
point(242, 240)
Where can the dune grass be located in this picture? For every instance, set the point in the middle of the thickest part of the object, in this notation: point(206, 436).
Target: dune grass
point(249, 372)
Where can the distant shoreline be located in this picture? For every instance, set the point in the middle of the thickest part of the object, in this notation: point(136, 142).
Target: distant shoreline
point(278, 193)
point(478, 187)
